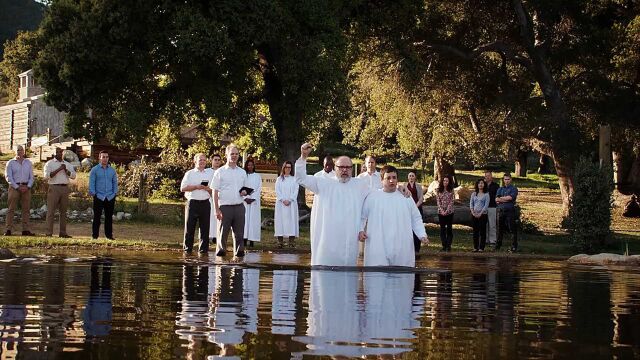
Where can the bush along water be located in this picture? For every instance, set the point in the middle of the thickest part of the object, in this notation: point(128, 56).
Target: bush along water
point(163, 180)
point(589, 219)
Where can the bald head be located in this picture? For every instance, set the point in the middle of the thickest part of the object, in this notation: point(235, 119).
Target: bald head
point(344, 168)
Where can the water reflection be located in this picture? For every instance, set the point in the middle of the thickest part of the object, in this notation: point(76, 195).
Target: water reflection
point(97, 313)
point(468, 308)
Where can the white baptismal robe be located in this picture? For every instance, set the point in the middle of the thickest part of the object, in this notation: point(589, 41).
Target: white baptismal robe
point(334, 239)
point(316, 201)
point(391, 221)
point(286, 217)
point(252, 218)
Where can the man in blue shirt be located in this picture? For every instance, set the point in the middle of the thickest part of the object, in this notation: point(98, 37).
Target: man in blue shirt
point(103, 186)
point(506, 201)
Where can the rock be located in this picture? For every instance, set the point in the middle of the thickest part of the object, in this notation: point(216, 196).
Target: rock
point(127, 216)
point(120, 215)
point(605, 259)
point(70, 156)
point(31, 211)
point(35, 217)
point(4, 212)
point(462, 194)
point(461, 215)
point(86, 162)
point(6, 254)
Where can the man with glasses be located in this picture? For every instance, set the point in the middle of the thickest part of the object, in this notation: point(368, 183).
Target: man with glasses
point(334, 239)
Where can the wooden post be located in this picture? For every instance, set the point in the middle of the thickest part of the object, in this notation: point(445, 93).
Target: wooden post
point(143, 205)
point(605, 145)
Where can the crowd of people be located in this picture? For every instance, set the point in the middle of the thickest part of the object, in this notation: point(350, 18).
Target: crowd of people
point(370, 215)
point(103, 188)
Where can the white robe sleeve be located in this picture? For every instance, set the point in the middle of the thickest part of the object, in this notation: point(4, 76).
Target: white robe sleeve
point(280, 193)
point(308, 181)
point(365, 213)
point(416, 219)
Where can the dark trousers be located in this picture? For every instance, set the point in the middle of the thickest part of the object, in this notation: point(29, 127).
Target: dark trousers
point(446, 230)
point(479, 231)
point(107, 206)
point(232, 219)
point(196, 211)
point(416, 240)
point(507, 222)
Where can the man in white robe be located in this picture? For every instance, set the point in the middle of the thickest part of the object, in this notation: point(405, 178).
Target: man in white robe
point(371, 176)
point(390, 220)
point(327, 172)
point(334, 238)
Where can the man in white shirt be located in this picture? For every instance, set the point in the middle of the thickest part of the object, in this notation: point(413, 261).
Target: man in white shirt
point(57, 172)
point(371, 176)
point(327, 170)
point(228, 181)
point(195, 185)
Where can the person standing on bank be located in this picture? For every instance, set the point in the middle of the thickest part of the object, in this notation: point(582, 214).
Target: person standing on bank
point(228, 182)
point(506, 201)
point(103, 186)
point(286, 212)
point(444, 199)
point(253, 219)
point(371, 176)
point(195, 185)
point(57, 172)
point(19, 176)
point(478, 204)
point(417, 195)
point(216, 161)
point(491, 188)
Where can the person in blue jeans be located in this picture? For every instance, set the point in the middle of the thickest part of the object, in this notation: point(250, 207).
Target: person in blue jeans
point(103, 187)
point(478, 204)
point(506, 201)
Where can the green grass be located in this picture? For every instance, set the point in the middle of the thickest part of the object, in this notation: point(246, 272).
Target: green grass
point(14, 242)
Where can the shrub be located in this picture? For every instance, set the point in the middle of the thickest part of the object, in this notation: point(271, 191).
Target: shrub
point(589, 219)
point(163, 180)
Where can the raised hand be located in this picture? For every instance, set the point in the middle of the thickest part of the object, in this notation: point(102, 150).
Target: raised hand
point(305, 150)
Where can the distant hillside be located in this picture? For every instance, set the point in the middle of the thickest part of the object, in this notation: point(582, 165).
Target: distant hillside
point(18, 15)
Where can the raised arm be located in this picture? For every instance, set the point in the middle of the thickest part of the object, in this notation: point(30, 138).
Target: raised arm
point(308, 181)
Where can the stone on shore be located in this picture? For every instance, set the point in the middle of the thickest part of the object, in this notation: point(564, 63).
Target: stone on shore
point(605, 259)
point(6, 254)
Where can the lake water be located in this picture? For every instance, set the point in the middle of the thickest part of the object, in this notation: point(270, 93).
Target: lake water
point(272, 306)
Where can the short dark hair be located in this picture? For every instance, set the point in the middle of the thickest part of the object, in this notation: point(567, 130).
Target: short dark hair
point(488, 172)
point(506, 175)
point(216, 155)
point(388, 169)
point(102, 152)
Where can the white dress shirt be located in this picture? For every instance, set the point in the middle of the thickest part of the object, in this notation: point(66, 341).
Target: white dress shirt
point(196, 177)
point(228, 181)
point(374, 180)
point(61, 177)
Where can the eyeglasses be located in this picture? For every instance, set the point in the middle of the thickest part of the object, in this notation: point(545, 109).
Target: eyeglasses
point(287, 167)
point(344, 167)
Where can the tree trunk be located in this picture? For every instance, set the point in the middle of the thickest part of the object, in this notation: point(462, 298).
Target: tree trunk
point(284, 112)
point(634, 174)
point(544, 164)
point(521, 163)
point(620, 169)
point(442, 168)
point(564, 169)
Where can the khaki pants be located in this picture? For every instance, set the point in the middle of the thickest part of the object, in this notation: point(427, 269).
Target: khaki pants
point(24, 198)
point(491, 225)
point(57, 199)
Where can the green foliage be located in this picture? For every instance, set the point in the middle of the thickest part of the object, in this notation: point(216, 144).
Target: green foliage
point(163, 179)
point(19, 56)
point(16, 16)
point(589, 219)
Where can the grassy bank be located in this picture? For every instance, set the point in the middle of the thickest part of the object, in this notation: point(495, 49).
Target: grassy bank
point(161, 227)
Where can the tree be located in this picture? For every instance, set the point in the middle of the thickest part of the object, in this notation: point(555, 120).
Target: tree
point(19, 55)
point(543, 63)
point(201, 63)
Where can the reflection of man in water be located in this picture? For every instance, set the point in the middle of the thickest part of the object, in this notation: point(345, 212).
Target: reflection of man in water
point(98, 312)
